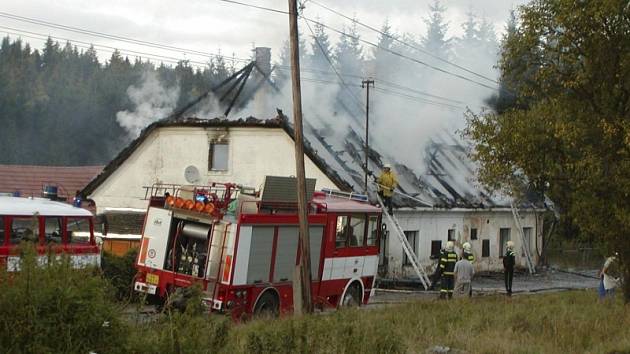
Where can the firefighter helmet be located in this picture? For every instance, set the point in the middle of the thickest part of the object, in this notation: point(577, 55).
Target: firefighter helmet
point(466, 246)
point(510, 244)
point(450, 245)
point(387, 166)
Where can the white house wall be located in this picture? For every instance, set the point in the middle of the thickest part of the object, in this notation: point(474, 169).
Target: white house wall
point(434, 225)
point(163, 156)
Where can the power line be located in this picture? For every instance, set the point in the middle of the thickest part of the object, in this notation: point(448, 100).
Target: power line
point(369, 43)
point(25, 33)
point(108, 49)
point(115, 37)
point(400, 54)
point(403, 42)
point(319, 45)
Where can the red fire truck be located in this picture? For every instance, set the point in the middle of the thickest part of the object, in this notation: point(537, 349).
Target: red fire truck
point(243, 251)
point(52, 226)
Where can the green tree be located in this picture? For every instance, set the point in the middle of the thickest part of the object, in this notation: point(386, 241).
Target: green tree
point(568, 65)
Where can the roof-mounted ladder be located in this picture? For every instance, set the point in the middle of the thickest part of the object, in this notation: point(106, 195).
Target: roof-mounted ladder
point(411, 255)
point(525, 243)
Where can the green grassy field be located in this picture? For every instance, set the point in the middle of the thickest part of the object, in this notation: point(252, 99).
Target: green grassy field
point(566, 322)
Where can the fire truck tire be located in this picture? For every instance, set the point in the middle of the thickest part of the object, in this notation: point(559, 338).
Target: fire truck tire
point(352, 297)
point(268, 305)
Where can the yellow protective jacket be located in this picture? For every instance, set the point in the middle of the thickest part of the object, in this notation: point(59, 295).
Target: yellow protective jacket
point(387, 183)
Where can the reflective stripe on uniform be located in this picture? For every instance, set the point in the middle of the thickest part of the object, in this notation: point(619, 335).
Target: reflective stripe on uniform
point(448, 273)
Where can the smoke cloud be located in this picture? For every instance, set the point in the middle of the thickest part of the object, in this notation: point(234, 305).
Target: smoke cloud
point(152, 102)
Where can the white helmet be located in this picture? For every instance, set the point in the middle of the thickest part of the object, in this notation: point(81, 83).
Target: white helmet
point(510, 244)
point(450, 245)
point(467, 247)
point(387, 166)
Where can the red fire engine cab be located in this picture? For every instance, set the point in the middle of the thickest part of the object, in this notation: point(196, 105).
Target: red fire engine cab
point(53, 227)
point(243, 250)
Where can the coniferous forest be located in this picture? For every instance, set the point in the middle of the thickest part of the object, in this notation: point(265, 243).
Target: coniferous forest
point(58, 105)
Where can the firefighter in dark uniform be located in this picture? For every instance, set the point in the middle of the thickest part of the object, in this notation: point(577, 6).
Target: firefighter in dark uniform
point(467, 254)
point(447, 265)
point(508, 266)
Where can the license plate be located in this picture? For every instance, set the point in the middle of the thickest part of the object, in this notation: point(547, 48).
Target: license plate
point(153, 279)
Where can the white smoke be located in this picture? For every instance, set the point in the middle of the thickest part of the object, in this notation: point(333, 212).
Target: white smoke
point(152, 102)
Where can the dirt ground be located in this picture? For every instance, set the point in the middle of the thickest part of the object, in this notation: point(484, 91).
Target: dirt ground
point(492, 283)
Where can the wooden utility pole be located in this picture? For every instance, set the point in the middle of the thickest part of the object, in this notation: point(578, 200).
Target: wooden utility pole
point(305, 254)
point(366, 84)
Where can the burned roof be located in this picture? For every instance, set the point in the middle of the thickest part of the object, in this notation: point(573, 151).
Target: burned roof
point(278, 122)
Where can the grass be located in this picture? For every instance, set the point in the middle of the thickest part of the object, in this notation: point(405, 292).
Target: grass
point(567, 322)
point(57, 309)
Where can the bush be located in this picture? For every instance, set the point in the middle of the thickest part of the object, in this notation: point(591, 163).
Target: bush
point(56, 309)
point(120, 271)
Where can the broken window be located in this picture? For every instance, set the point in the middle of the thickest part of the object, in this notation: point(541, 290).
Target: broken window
point(504, 237)
point(473, 234)
point(485, 248)
point(436, 246)
point(218, 156)
point(412, 237)
point(451, 235)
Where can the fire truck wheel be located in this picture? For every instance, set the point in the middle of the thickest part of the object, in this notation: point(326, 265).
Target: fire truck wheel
point(267, 305)
point(352, 297)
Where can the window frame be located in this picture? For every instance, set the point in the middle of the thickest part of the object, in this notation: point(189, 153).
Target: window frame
point(449, 233)
point(485, 248)
point(349, 218)
point(414, 245)
point(474, 235)
point(66, 230)
point(439, 243)
point(211, 159)
point(377, 239)
point(37, 230)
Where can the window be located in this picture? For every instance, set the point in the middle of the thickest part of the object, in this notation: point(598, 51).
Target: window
point(342, 231)
point(504, 237)
point(485, 248)
point(372, 236)
point(24, 229)
point(473, 234)
point(218, 157)
point(436, 247)
point(451, 235)
point(1, 230)
point(412, 237)
point(357, 230)
point(78, 230)
point(52, 230)
point(527, 238)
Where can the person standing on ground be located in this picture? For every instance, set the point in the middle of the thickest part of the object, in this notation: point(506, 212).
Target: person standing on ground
point(467, 254)
point(387, 183)
point(463, 277)
point(447, 268)
point(508, 266)
point(610, 279)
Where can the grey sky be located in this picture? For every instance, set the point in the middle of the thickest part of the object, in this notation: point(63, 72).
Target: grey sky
point(213, 26)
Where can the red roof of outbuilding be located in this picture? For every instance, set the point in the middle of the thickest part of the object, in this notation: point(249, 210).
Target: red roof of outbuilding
point(29, 180)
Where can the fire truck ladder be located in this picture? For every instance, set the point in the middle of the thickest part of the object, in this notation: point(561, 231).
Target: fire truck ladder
point(525, 243)
point(411, 255)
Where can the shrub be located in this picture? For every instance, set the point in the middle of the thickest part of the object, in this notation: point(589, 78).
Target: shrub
point(120, 272)
point(56, 309)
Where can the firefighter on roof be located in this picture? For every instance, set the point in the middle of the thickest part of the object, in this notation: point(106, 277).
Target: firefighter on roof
point(447, 267)
point(387, 182)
